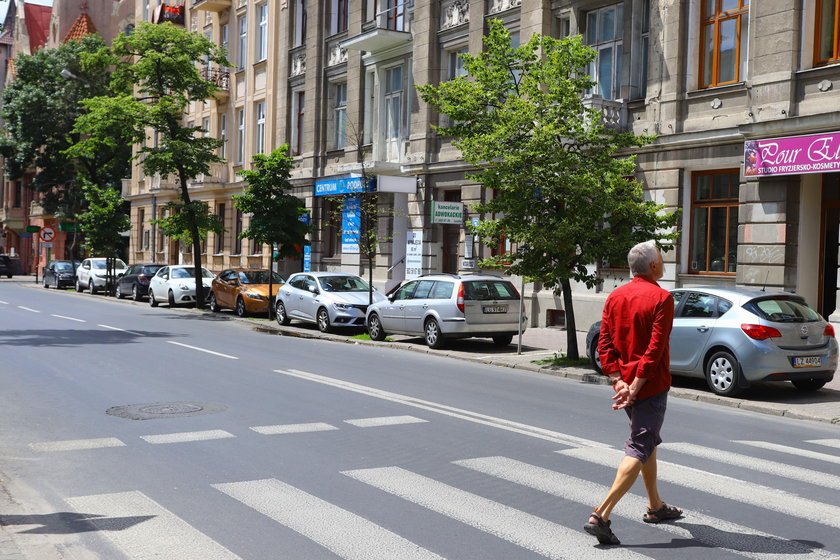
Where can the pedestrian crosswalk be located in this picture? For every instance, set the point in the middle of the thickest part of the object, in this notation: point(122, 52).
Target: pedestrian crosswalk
point(140, 527)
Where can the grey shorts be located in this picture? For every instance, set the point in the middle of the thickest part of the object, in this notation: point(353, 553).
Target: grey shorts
point(646, 417)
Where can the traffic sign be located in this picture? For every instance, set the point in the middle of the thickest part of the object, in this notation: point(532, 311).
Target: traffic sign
point(47, 234)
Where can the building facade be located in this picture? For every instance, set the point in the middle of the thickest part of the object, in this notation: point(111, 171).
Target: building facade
point(725, 86)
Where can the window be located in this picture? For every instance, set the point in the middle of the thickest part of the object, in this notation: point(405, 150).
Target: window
point(298, 106)
point(237, 229)
point(723, 41)
point(256, 248)
point(393, 110)
point(340, 116)
point(260, 129)
point(220, 237)
point(223, 135)
point(699, 306)
point(225, 41)
point(300, 23)
point(394, 12)
point(205, 125)
point(564, 27)
point(242, 51)
point(161, 238)
point(604, 31)
point(714, 222)
point(240, 136)
point(827, 45)
point(338, 16)
point(645, 46)
point(146, 10)
point(262, 32)
point(17, 201)
point(455, 67)
point(141, 222)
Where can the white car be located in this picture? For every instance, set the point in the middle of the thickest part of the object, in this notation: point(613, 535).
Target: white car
point(175, 284)
point(91, 274)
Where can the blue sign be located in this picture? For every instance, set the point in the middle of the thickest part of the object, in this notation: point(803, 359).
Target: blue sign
point(307, 258)
point(350, 225)
point(348, 185)
point(304, 218)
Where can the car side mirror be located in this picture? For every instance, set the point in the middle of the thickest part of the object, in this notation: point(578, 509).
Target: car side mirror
point(314, 290)
point(121, 274)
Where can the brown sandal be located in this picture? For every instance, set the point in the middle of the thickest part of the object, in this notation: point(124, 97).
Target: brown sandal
point(662, 514)
point(601, 530)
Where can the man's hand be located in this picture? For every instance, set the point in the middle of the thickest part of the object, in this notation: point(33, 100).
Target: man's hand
point(623, 396)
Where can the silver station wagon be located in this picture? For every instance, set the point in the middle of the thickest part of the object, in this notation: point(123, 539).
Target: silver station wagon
point(737, 337)
point(443, 306)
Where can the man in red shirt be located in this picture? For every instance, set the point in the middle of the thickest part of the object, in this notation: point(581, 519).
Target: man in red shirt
point(633, 348)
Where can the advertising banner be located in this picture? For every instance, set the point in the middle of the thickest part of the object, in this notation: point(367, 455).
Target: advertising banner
point(350, 225)
point(413, 254)
point(816, 153)
point(347, 185)
point(307, 258)
point(447, 212)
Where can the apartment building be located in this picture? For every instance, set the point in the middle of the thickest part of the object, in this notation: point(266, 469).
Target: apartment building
point(741, 98)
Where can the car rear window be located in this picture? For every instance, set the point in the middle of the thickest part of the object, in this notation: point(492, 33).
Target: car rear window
point(149, 270)
point(783, 310)
point(489, 289)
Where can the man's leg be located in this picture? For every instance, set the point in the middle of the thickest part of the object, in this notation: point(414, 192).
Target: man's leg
point(649, 478)
point(628, 472)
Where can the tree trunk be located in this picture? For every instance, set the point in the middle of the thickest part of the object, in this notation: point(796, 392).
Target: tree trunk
point(571, 329)
point(199, 280)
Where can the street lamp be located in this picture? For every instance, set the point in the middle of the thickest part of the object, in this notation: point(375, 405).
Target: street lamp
point(65, 73)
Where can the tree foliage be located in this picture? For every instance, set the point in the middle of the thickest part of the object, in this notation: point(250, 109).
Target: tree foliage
point(562, 184)
point(103, 223)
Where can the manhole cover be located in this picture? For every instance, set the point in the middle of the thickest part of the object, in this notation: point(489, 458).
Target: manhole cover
point(151, 411)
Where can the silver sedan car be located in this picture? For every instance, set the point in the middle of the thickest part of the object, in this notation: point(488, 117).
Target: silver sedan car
point(737, 337)
point(328, 299)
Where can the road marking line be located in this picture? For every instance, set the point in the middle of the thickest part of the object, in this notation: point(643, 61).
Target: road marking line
point(518, 527)
point(478, 418)
point(202, 350)
point(4, 302)
point(756, 464)
point(76, 444)
point(723, 486)
point(344, 533)
point(792, 450)
point(826, 442)
point(711, 531)
point(384, 421)
point(118, 329)
point(28, 309)
point(293, 428)
point(69, 318)
point(188, 436)
point(143, 529)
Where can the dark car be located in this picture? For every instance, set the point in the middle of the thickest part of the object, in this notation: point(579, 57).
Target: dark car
point(60, 274)
point(6, 266)
point(135, 281)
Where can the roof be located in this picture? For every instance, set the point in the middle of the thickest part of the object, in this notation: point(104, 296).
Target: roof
point(82, 27)
point(37, 24)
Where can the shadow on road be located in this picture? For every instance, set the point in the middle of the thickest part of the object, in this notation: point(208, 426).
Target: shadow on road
point(64, 523)
point(60, 337)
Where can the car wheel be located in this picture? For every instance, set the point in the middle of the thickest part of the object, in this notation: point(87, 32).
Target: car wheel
point(152, 301)
point(503, 340)
point(280, 314)
point(241, 311)
point(594, 358)
point(374, 327)
point(722, 374)
point(46, 284)
point(323, 320)
point(78, 286)
point(431, 331)
point(809, 385)
point(135, 293)
point(91, 288)
point(171, 298)
point(118, 292)
point(214, 305)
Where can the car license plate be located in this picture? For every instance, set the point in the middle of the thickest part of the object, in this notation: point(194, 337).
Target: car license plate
point(494, 309)
point(807, 361)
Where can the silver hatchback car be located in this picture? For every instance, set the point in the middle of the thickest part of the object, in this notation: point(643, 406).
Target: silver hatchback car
point(737, 337)
point(441, 306)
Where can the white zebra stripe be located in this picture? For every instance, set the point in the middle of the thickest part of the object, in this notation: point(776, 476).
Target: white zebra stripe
point(384, 421)
point(792, 450)
point(711, 531)
point(144, 530)
point(826, 442)
point(76, 444)
point(187, 436)
point(293, 428)
point(523, 529)
point(344, 533)
point(724, 486)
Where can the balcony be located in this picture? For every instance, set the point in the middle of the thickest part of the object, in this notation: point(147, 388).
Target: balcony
point(613, 113)
point(12, 218)
point(36, 210)
point(391, 29)
point(218, 176)
point(211, 5)
point(220, 78)
point(158, 183)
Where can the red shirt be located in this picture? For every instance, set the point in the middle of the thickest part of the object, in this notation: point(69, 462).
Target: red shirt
point(635, 329)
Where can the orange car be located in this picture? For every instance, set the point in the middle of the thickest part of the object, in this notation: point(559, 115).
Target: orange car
point(244, 290)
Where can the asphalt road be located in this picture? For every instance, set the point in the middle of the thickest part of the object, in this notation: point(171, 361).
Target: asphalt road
point(132, 432)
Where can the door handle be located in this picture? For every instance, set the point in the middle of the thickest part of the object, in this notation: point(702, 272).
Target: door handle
point(703, 328)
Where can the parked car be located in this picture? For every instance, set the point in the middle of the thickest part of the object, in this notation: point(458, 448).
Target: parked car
point(6, 266)
point(737, 337)
point(91, 274)
point(328, 299)
point(60, 274)
point(135, 281)
point(175, 284)
point(243, 290)
point(443, 306)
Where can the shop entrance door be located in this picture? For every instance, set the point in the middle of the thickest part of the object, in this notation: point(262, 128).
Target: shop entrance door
point(830, 245)
point(451, 238)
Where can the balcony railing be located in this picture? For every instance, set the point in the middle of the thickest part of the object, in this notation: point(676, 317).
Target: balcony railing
point(211, 5)
point(220, 77)
point(613, 113)
point(392, 28)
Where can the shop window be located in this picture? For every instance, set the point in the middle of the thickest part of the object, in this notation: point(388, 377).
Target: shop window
point(331, 227)
point(723, 41)
point(827, 47)
point(604, 33)
point(714, 222)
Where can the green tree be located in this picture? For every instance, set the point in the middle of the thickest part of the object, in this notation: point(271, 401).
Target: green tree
point(102, 223)
point(563, 190)
point(275, 213)
point(157, 63)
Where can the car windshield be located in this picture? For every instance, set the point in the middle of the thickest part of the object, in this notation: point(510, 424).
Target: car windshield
point(63, 267)
point(343, 284)
point(259, 277)
point(489, 289)
point(785, 310)
point(150, 270)
point(101, 264)
point(188, 273)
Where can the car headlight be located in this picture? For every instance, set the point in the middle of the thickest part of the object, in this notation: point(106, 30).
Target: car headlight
point(342, 306)
point(184, 287)
point(101, 275)
point(254, 295)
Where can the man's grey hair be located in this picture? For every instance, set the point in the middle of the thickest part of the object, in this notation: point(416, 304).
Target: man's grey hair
point(641, 256)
